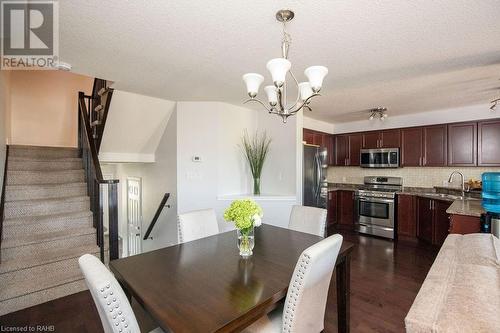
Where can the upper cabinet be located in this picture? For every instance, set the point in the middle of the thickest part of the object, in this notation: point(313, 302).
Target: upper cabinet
point(435, 146)
point(382, 139)
point(321, 139)
point(347, 149)
point(411, 146)
point(462, 144)
point(488, 143)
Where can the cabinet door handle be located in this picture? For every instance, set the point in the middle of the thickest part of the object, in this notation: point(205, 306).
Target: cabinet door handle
point(430, 204)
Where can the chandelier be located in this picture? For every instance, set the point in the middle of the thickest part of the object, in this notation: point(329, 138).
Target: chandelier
point(378, 113)
point(279, 68)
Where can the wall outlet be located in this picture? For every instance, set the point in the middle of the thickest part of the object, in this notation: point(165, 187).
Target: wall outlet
point(196, 158)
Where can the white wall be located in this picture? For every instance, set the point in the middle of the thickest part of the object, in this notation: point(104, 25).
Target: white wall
point(466, 113)
point(4, 118)
point(318, 125)
point(134, 127)
point(157, 179)
point(44, 107)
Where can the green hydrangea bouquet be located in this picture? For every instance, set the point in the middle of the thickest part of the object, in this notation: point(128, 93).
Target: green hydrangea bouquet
point(245, 214)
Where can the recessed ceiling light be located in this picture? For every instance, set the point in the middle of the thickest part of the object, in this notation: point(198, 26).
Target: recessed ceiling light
point(63, 66)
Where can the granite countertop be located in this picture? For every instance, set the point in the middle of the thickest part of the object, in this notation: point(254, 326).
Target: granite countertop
point(466, 207)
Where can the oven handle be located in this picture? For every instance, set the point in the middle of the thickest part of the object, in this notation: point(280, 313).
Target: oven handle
point(381, 200)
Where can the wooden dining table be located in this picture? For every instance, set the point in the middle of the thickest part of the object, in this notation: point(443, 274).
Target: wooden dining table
point(205, 286)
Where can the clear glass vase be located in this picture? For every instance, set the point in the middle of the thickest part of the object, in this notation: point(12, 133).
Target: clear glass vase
point(256, 186)
point(246, 241)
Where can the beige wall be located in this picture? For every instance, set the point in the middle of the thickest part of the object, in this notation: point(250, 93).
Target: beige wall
point(44, 107)
point(412, 176)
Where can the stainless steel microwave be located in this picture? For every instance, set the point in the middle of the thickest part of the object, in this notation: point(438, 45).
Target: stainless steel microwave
point(380, 158)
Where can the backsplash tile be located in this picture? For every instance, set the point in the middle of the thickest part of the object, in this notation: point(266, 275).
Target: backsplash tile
point(412, 176)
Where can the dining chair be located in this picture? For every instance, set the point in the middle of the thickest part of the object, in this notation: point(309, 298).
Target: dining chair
point(197, 224)
point(305, 303)
point(311, 220)
point(112, 305)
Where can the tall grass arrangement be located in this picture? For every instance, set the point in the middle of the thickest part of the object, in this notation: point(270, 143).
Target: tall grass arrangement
point(255, 149)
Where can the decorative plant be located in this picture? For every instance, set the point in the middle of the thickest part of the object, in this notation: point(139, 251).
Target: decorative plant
point(245, 214)
point(256, 149)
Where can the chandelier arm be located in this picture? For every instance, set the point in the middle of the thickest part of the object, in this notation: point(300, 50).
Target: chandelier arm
point(280, 101)
point(304, 103)
point(258, 101)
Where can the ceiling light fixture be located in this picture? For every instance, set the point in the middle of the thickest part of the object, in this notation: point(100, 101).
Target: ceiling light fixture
point(378, 113)
point(279, 68)
point(494, 104)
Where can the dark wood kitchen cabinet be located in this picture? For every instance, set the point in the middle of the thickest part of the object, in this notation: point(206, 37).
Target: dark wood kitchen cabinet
point(432, 220)
point(462, 144)
point(424, 219)
point(435, 145)
point(407, 217)
point(321, 139)
point(461, 224)
point(411, 146)
point(347, 149)
point(332, 207)
point(382, 139)
point(488, 144)
point(345, 208)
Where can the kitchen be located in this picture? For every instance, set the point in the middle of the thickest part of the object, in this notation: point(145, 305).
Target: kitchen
point(400, 183)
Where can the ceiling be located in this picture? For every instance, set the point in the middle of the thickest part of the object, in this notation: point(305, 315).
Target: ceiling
point(409, 56)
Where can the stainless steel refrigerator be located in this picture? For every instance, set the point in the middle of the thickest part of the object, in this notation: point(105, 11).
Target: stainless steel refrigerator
point(314, 180)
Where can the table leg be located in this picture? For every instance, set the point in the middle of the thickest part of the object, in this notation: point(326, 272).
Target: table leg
point(343, 293)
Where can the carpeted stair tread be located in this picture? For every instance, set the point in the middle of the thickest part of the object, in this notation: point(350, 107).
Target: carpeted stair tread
point(44, 164)
point(46, 237)
point(42, 296)
point(44, 191)
point(44, 177)
point(49, 255)
point(29, 280)
point(61, 244)
point(34, 225)
point(38, 207)
point(43, 152)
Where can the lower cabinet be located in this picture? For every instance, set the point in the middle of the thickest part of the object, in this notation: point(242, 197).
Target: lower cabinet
point(407, 217)
point(461, 224)
point(432, 220)
point(341, 209)
point(332, 208)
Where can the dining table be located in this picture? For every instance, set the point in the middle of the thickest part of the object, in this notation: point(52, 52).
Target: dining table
point(205, 286)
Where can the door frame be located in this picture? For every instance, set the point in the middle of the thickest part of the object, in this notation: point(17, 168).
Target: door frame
point(139, 180)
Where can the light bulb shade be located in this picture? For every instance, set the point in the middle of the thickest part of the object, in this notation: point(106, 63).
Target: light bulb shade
point(278, 68)
point(315, 75)
point(305, 90)
point(272, 95)
point(253, 82)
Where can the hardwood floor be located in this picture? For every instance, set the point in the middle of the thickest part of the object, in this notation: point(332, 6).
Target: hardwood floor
point(385, 278)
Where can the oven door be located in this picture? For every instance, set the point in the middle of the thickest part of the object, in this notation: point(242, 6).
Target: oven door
point(376, 211)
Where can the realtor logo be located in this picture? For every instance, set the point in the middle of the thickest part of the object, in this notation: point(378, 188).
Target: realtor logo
point(30, 34)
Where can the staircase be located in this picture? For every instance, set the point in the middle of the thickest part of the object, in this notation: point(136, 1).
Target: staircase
point(47, 226)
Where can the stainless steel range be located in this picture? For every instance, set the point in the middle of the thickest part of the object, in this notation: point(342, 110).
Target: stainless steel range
point(375, 205)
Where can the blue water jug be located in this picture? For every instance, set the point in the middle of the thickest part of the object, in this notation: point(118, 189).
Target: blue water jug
point(491, 192)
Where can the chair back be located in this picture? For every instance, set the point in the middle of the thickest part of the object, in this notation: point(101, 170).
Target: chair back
point(305, 302)
point(197, 224)
point(311, 220)
point(112, 304)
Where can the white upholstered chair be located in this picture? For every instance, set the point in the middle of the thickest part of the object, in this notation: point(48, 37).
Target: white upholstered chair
point(197, 224)
point(305, 303)
point(112, 304)
point(311, 220)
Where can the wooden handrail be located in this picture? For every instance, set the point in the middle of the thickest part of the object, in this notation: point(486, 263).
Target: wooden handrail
point(2, 201)
point(157, 215)
point(90, 141)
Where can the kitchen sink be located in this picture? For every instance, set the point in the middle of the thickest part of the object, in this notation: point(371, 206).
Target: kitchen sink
point(446, 196)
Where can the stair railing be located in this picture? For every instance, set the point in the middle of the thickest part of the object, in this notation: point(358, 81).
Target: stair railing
point(95, 181)
point(163, 203)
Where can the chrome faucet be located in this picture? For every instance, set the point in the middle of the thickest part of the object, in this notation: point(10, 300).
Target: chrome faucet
point(462, 178)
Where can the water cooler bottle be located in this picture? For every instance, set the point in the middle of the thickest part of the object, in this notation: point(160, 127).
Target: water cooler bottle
point(491, 200)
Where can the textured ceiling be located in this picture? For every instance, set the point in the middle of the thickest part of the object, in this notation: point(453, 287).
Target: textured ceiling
point(409, 56)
